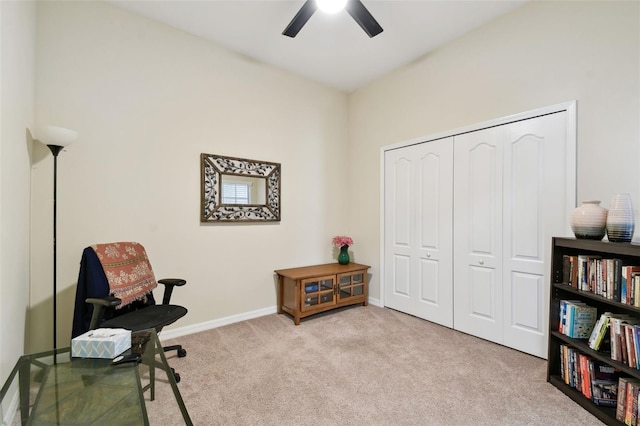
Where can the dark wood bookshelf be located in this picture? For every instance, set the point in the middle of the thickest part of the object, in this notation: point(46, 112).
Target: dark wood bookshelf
point(630, 255)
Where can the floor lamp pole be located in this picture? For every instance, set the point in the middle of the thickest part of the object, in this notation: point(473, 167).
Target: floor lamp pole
point(55, 150)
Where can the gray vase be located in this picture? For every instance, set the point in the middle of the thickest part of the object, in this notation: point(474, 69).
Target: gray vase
point(620, 221)
point(588, 221)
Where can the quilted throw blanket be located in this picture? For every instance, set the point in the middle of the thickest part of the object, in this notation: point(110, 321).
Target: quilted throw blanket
point(127, 269)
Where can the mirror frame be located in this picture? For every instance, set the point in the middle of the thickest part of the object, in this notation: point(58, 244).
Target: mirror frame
point(212, 167)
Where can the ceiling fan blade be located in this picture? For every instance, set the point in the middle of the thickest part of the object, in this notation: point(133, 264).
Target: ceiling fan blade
point(300, 19)
point(362, 16)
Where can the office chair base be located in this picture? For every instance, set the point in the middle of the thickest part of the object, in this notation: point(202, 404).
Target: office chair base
point(181, 352)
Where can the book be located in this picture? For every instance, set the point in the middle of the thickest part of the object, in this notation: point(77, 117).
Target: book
point(600, 331)
point(577, 319)
point(563, 326)
point(586, 272)
point(605, 393)
point(583, 319)
point(570, 270)
point(631, 402)
point(627, 295)
point(562, 355)
point(604, 381)
point(615, 327)
point(617, 272)
point(636, 342)
point(630, 346)
point(566, 269)
point(585, 379)
point(565, 361)
point(622, 397)
point(582, 272)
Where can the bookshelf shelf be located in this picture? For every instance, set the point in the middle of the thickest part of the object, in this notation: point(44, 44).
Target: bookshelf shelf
point(605, 414)
point(629, 254)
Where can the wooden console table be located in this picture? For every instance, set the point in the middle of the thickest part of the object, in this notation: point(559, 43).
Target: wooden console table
point(310, 290)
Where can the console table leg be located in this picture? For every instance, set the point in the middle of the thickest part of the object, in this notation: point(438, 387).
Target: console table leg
point(280, 289)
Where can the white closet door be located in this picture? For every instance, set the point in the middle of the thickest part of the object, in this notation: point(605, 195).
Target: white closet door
point(418, 230)
point(478, 294)
point(533, 200)
point(510, 192)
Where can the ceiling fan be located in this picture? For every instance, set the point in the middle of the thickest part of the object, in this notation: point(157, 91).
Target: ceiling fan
point(355, 8)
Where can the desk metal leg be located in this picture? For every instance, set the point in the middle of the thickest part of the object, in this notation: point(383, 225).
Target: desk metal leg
point(172, 381)
point(24, 381)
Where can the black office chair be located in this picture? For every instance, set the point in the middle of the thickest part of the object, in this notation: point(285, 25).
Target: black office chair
point(98, 305)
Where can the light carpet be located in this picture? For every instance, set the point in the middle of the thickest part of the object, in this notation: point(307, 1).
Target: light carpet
point(358, 366)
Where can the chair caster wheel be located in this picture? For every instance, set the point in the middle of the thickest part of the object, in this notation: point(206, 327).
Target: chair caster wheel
point(176, 376)
point(182, 353)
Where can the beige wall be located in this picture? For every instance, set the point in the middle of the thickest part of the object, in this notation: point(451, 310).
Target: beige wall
point(146, 100)
point(542, 54)
point(17, 35)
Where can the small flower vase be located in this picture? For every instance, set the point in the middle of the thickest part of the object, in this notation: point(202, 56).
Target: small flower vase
point(343, 257)
point(588, 221)
point(620, 222)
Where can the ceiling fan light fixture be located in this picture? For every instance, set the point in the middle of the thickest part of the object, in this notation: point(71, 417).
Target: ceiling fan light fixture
point(355, 8)
point(331, 6)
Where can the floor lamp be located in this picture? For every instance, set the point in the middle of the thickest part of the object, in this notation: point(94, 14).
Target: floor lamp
point(56, 138)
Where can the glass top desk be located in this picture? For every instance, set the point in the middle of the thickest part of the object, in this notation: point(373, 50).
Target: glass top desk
point(55, 389)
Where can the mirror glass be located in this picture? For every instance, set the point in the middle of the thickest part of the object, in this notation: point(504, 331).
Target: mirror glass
point(239, 189)
point(243, 190)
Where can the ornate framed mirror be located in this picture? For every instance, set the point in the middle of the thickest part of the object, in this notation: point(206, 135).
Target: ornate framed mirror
point(238, 190)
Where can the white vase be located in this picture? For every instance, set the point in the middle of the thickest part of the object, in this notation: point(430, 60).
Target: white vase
point(588, 221)
point(620, 221)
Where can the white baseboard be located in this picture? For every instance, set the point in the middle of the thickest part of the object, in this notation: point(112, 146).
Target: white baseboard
point(209, 325)
point(375, 302)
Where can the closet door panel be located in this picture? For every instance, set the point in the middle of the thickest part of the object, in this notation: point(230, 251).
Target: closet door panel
point(478, 234)
point(483, 196)
point(399, 211)
point(535, 187)
point(429, 279)
point(429, 223)
point(402, 193)
point(482, 289)
point(434, 222)
point(429, 181)
point(402, 276)
point(525, 292)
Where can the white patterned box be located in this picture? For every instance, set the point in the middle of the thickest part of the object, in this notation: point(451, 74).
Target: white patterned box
point(101, 343)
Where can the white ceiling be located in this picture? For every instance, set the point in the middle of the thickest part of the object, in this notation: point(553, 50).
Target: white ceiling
point(330, 49)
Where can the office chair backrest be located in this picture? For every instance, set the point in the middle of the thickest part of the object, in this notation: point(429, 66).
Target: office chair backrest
point(119, 269)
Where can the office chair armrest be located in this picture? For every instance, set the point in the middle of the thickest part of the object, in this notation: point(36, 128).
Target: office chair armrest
point(169, 284)
point(99, 306)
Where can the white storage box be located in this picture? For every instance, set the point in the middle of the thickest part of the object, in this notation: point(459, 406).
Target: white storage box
point(101, 343)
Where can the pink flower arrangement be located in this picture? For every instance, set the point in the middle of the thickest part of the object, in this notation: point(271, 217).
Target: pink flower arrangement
point(342, 240)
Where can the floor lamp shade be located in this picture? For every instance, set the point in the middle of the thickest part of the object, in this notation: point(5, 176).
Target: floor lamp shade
point(56, 138)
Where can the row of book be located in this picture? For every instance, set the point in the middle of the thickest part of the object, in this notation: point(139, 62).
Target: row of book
point(577, 319)
point(622, 334)
point(595, 379)
point(627, 400)
point(601, 383)
point(608, 278)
